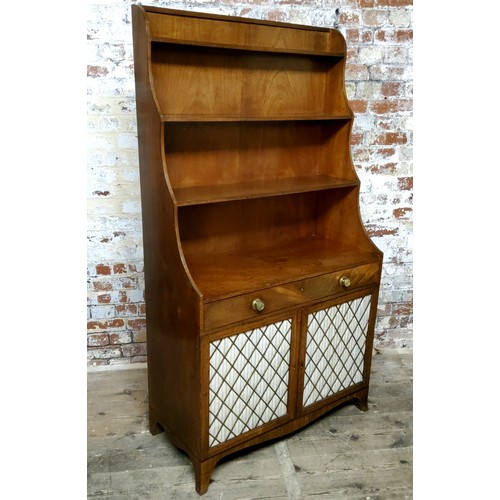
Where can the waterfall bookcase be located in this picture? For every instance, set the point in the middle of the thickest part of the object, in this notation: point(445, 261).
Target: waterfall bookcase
point(261, 282)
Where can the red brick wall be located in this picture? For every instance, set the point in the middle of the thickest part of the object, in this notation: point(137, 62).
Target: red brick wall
point(379, 87)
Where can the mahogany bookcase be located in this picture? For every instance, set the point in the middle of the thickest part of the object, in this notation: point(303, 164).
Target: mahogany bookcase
point(261, 282)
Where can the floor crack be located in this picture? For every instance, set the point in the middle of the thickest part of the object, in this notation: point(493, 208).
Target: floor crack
point(288, 471)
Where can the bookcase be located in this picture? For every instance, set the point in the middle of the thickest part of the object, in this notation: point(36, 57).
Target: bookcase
point(261, 282)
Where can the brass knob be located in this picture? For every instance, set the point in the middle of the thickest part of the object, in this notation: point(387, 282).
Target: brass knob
point(258, 305)
point(345, 281)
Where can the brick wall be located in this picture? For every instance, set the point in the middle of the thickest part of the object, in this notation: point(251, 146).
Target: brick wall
point(379, 87)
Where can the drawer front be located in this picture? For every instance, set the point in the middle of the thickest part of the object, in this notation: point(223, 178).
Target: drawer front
point(239, 308)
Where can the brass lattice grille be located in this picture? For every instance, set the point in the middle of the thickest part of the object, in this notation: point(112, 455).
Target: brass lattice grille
point(248, 380)
point(335, 351)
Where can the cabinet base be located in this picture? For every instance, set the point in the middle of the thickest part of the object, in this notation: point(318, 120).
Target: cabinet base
point(361, 400)
point(154, 423)
point(203, 468)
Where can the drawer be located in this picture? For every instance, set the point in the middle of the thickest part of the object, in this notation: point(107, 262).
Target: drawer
point(297, 293)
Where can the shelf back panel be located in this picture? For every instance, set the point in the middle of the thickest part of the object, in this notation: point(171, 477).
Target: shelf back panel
point(193, 81)
point(244, 225)
point(241, 225)
point(232, 153)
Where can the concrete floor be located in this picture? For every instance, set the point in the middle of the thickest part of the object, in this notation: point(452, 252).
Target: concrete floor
point(347, 454)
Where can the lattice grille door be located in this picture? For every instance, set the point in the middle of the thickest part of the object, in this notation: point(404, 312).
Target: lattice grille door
point(248, 380)
point(335, 351)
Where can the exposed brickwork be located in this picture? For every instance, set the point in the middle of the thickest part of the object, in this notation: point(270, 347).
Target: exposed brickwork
point(116, 325)
point(379, 85)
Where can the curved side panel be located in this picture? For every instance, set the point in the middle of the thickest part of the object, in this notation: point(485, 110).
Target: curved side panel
point(176, 215)
point(356, 232)
point(173, 302)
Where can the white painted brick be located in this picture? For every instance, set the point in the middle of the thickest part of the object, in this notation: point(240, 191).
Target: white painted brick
point(123, 249)
point(406, 154)
point(130, 125)
point(375, 17)
point(131, 207)
point(132, 177)
point(368, 90)
point(130, 191)
point(102, 312)
point(368, 198)
point(136, 296)
point(125, 105)
point(104, 206)
point(395, 55)
point(99, 108)
point(300, 16)
point(103, 175)
point(390, 72)
point(350, 90)
point(370, 55)
point(98, 159)
point(325, 18)
point(107, 353)
point(400, 18)
point(363, 123)
point(127, 158)
point(127, 141)
point(123, 337)
point(99, 142)
point(104, 124)
point(114, 223)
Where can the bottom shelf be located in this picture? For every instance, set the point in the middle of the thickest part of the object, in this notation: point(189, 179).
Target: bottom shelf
point(228, 274)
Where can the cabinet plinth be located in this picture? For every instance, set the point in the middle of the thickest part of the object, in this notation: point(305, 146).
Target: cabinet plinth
point(261, 283)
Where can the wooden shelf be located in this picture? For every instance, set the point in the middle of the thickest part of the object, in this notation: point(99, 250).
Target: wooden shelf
point(276, 50)
point(258, 189)
point(241, 118)
point(233, 273)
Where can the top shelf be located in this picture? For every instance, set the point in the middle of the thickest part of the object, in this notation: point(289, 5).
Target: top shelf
point(250, 48)
point(205, 117)
point(209, 30)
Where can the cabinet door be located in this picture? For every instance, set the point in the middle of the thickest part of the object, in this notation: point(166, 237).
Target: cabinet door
point(248, 380)
point(336, 340)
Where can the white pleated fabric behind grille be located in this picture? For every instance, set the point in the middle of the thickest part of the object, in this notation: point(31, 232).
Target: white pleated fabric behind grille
point(336, 339)
point(248, 380)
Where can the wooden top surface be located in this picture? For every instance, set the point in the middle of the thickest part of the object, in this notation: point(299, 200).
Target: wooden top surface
point(229, 274)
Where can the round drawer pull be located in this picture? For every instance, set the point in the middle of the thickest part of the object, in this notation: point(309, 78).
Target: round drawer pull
point(258, 305)
point(345, 281)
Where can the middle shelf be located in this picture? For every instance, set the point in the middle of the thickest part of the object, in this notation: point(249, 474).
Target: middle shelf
point(197, 195)
point(213, 162)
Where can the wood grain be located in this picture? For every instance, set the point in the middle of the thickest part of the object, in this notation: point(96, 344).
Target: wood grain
point(238, 308)
point(242, 33)
point(247, 188)
point(209, 81)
